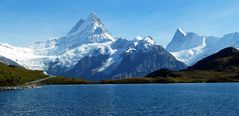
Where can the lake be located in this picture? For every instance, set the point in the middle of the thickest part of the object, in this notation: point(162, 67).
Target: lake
point(132, 99)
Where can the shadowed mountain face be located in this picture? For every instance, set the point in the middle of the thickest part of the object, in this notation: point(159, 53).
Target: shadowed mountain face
point(140, 63)
point(225, 59)
point(87, 67)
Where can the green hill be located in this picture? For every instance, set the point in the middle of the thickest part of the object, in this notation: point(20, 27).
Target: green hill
point(13, 75)
point(16, 76)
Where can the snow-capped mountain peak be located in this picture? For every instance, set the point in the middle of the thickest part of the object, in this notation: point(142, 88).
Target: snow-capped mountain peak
point(89, 24)
point(149, 40)
point(87, 31)
point(178, 38)
point(145, 43)
point(181, 32)
point(182, 41)
point(93, 17)
point(93, 28)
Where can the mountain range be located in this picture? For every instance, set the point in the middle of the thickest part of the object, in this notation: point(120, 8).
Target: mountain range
point(89, 51)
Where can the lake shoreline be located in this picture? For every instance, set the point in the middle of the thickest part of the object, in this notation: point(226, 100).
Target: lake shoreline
point(18, 87)
point(73, 84)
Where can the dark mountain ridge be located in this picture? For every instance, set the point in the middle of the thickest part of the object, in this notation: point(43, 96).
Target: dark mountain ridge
point(225, 59)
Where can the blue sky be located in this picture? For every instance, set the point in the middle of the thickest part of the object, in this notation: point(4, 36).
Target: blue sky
point(23, 22)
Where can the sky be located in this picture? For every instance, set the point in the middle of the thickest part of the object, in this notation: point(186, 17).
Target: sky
point(23, 22)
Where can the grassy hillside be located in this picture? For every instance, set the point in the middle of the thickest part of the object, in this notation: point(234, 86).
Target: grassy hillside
point(15, 76)
point(12, 76)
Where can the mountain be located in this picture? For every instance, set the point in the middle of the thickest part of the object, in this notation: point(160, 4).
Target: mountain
point(88, 50)
point(90, 30)
point(146, 59)
point(182, 41)
point(130, 59)
point(226, 59)
point(190, 47)
point(13, 76)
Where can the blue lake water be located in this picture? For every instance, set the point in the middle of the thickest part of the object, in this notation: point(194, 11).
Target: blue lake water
point(138, 99)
